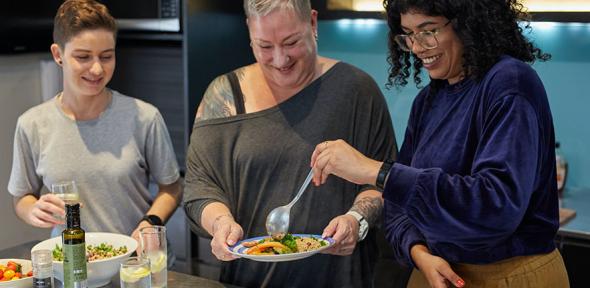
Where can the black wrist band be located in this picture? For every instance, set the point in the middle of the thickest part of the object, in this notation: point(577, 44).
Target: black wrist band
point(153, 220)
point(383, 171)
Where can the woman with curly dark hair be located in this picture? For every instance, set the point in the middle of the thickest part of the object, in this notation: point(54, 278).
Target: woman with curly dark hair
point(472, 198)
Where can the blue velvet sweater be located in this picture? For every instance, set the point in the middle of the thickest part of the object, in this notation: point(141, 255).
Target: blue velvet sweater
point(475, 178)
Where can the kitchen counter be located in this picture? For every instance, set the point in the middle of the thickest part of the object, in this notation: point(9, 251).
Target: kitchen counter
point(175, 279)
point(577, 199)
point(573, 237)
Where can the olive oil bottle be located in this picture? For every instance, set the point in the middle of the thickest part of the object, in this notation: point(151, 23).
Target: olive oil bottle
point(74, 249)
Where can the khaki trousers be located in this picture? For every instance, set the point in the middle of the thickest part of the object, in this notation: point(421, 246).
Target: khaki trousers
point(536, 271)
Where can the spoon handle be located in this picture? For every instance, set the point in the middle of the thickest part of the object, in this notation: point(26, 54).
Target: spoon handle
point(302, 188)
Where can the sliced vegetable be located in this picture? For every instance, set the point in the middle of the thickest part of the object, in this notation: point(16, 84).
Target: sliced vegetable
point(264, 248)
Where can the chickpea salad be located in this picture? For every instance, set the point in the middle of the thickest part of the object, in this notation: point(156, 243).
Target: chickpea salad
point(93, 252)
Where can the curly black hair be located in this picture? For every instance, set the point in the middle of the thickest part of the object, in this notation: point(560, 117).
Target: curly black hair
point(487, 28)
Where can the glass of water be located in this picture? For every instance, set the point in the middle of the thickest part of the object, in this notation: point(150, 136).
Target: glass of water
point(66, 191)
point(154, 247)
point(135, 273)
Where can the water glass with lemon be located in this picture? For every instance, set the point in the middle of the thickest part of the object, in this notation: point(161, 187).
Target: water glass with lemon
point(135, 273)
point(154, 247)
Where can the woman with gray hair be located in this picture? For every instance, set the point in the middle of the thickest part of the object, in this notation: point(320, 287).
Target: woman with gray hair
point(254, 133)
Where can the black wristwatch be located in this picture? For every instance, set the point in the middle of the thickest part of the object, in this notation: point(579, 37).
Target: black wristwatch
point(383, 172)
point(153, 219)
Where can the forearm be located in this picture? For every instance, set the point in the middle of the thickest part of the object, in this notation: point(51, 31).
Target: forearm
point(369, 203)
point(212, 213)
point(166, 201)
point(371, 171)
point(23, 206)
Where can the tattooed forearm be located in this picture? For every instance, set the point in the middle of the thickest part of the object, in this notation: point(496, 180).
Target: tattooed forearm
point(218, 101)
point(369, 207)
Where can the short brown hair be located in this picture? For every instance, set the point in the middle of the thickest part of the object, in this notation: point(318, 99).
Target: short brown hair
point(75, 16)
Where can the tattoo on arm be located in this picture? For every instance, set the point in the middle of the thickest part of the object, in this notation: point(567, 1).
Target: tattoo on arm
point(369, 207)
point(218, 101)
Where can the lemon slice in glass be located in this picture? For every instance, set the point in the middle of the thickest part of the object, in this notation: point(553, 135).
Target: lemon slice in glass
point(132, 275)
point(158, 261)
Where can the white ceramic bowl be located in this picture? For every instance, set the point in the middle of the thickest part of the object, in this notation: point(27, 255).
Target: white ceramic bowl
point(20, 283)
point(100, 272)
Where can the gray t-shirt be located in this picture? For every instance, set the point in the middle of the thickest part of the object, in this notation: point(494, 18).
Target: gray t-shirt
point(111, 158)
point(255, 162)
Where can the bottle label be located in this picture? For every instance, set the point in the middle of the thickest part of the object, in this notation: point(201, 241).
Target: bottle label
point(74, 263)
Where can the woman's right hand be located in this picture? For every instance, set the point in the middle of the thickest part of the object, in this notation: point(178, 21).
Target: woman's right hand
point(437, 270)
point(339, 158)
point(43, 211)
point(226, 232)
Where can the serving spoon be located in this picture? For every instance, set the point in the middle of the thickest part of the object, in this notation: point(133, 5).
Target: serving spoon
point(277, 221)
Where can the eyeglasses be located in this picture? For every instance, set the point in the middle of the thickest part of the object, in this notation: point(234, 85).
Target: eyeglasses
point(426, 39)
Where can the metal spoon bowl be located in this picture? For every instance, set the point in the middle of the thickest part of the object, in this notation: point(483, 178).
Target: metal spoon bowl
point(277, 221)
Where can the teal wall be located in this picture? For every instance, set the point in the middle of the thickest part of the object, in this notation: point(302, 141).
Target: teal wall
point(363, 43)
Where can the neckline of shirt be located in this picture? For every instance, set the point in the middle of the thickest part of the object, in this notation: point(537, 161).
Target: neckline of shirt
point(102, 115)
point(459, 86)
point(273, 109)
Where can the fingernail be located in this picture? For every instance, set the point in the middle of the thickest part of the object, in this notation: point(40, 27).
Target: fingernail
point(460, 283)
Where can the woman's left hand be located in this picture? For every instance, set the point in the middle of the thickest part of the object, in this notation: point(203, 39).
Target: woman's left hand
point(436, 270)
point(344, 229)
point(340, 159)
point(135, 235)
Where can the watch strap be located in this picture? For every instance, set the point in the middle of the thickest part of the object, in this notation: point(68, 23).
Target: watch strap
point(356, 216)
point(363, 224)
point(153, 219)
point(383, 172)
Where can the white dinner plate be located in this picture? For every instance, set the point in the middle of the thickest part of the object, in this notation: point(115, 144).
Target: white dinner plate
point(240, 251)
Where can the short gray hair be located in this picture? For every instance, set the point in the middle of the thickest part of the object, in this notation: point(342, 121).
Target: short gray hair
point(257, 8)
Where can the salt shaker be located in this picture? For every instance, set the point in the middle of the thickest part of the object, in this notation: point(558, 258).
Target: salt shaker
point(42, 268)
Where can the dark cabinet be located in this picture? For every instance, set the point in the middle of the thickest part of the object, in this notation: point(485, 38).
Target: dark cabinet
point(216, 41)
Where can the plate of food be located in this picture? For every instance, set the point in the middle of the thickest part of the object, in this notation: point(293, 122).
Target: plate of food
point(288, 248)
point(16, 273)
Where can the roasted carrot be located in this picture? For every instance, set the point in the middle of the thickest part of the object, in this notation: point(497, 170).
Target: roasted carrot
point(263, 246)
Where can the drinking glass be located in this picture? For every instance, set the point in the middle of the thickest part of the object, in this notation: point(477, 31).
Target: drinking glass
point(66, 191)
point(153, 246)
point(135, 273)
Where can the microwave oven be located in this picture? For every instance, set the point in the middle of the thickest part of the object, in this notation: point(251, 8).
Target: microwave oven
point(146, 15)
point(27, 27)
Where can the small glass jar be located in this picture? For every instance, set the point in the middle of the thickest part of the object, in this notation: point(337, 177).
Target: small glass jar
point(42, 268)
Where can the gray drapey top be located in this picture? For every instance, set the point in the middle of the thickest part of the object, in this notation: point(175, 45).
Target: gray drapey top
point(111, 158)
point(255, 162)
